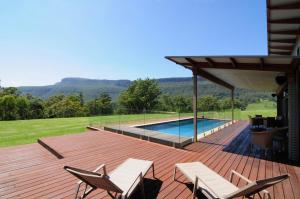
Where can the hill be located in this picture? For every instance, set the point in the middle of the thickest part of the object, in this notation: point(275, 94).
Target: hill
point(91, 88)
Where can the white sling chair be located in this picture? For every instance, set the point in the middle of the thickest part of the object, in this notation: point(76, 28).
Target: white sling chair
point(120, 183)
point(214, 186)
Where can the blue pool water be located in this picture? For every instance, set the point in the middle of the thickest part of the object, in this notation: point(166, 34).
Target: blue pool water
point(184, 127)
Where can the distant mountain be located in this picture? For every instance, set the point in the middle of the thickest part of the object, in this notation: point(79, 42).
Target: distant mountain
point(91, 88)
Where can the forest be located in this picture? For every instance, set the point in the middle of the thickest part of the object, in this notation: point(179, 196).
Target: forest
point(141, 95)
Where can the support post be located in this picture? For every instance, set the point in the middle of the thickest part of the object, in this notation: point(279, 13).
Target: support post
point(293, 130)
point(232, 105)
point(279, 104)
point(195, 96)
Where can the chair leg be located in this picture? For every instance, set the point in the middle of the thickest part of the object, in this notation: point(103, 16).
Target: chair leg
point(114, 196)
point(87, 192)
point(195, 188)
point(76, 191)
point(153, 170)
point(84, 191)
point(194, 191)
point(266, 153)
point(174, 175)
point(142, 186)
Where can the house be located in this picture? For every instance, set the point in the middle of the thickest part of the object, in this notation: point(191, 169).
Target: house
point(278, 72)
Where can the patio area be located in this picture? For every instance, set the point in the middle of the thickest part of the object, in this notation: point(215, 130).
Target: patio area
point(31, 171)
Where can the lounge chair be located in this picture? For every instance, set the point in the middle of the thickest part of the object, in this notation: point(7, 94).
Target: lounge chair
point(212, 185)
point(119, 183)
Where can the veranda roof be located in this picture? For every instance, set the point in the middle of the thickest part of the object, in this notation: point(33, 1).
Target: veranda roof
point(249, 72)
point(283, 26)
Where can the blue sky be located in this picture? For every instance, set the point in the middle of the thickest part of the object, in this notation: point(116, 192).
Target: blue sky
point(42, 42)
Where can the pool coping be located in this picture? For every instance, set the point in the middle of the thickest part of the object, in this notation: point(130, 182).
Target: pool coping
point(152, 136)
point(216, 129)
point(160, 122)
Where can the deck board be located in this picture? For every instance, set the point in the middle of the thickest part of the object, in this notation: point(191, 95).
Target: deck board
point(30, 171)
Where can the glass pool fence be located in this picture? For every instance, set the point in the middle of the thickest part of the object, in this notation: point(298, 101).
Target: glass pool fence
point(177, 126)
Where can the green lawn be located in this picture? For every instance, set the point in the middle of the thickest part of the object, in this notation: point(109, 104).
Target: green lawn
point(28, 131)
point(265, 108)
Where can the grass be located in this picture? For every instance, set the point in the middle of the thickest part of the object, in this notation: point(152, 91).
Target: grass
point(265, 108)
point(28, 131)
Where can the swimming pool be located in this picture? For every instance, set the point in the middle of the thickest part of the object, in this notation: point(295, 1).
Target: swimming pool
point(184, 128)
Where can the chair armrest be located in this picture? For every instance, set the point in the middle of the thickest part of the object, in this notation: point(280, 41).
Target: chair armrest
point(267, 194)
point(248, 181)
point(102, 166)
point(140, 176)
point(239, 175)
point(79, 182)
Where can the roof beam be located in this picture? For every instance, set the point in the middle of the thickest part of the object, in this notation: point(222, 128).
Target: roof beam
point(280, 52)
point(207, 75)
point(243, 66)
point(287, 6)
point(286, 41)
point(295, 20)
point(210, 61)
point(285, 32)
point(233, 62)
point(285, 21)
point(191, 61)
point(289, 48)
point(212, 78)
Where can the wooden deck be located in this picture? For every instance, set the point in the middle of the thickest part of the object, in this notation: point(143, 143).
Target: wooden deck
point(30, 171)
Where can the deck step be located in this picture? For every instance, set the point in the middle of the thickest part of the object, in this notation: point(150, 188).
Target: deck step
point(93, 128)
point(50, 149)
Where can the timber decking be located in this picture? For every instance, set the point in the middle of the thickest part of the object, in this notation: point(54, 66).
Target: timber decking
point(30, 171)
point(152, 136)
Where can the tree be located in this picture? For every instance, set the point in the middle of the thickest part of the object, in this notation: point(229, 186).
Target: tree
point(81, 99)
point(10, 91)
point(23, 107)
point(240, 104)
point(183, 104)
point(8, 107)
point(208, 103)
point(105, 104)
point(101, 105)
point(140, 95)
point(225, 104)
point(36, 108)
point(166, 103)
point(51, 105)
point(64, 106)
